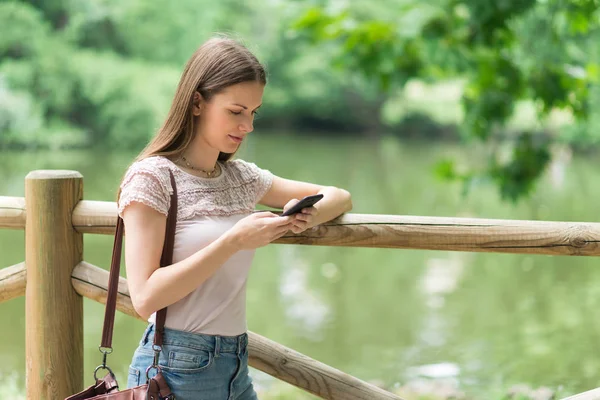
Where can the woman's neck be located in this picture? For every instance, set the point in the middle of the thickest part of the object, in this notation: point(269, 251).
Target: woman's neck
point(201, 156)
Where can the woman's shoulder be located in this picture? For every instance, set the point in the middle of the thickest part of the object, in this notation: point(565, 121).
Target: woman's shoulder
point(147, 181)
point(244, 170)
point(153, 165)
point(253, 182)
point(238, 165)
point(156, 166)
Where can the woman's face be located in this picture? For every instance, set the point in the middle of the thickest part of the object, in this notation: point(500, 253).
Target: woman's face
point(228, 117)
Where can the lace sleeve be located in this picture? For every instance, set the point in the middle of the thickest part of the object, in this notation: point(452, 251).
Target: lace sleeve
point(261, 179)
point(265, 180)
point(145, 185)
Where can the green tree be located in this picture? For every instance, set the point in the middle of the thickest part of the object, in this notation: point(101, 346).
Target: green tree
point(102, 72)
point(507, 52)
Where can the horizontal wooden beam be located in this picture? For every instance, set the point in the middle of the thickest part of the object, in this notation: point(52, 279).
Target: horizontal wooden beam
point(264, 354)
point(456, 234)
point(91, 216)
point(309, 374)
point(411, 232)
point(589, 395)
point(12, 212)
point(13, 281)
point(92, 282)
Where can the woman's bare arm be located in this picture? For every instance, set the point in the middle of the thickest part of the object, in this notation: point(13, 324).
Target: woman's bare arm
point(153, 288)
point(335, 202)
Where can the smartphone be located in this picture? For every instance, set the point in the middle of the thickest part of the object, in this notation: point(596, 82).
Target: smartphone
point(308, 201)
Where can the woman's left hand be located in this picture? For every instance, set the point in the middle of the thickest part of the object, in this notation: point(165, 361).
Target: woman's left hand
point(303, 219)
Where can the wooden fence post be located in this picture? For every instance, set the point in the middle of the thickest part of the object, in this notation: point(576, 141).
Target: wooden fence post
point(54, 311)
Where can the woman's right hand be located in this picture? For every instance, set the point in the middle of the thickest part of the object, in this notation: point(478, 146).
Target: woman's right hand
point(259, 229)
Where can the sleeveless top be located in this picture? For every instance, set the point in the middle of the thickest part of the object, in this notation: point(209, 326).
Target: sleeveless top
point(207, 208)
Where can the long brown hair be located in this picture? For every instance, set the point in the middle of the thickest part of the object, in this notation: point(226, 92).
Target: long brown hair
point(220, 62)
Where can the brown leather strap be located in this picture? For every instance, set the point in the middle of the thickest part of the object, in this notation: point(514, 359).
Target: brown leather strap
point(167, 259)
point(115, 266)
point(113, 280)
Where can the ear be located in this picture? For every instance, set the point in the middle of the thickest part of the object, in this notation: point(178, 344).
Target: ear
point(198, 104)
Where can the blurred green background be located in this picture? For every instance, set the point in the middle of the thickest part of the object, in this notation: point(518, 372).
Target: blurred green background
point(473, 108)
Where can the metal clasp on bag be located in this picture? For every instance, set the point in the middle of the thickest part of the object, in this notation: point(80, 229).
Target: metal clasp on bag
point(157, 350)
point(105, 351)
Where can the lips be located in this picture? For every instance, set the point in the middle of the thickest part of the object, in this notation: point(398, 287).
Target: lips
point(236, 138)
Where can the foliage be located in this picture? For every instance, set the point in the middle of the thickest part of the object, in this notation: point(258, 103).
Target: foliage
point(102, 72)
point(508, 51)
point(85, 73)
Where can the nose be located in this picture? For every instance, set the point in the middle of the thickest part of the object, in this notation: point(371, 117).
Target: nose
point(246, 127)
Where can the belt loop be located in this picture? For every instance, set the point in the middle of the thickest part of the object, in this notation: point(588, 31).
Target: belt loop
point(240, 344)
point(217, 346)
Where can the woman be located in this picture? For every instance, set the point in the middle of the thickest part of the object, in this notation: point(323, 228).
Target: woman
point(204, 355)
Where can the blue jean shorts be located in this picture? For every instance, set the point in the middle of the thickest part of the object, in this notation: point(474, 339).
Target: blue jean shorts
point(196, 366)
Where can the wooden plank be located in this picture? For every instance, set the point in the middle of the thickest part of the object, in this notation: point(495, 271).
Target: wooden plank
point(412, 232)
point(13, 281)
point(264, 354)
point(92, 282)
point(455, 234)
point(54, 311)
point(589, 395)
point(308, 374)
point(12, 212)
point(95, 217)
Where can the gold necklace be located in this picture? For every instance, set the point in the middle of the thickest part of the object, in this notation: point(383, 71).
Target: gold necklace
point(209, 174)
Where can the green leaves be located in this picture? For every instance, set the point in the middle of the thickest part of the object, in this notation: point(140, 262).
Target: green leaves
point(24, 32)
point(318, 25)
point(489, 98)
point(510, 51)
point(488, 19)
point(582, 15)
point(516, 177)
point(561, 87)
point(383, 51)
point(105, 70)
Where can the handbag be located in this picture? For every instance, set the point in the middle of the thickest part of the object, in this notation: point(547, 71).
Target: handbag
point(155, 388)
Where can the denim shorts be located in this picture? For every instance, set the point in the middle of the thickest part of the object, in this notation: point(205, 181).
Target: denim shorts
point(196, 366)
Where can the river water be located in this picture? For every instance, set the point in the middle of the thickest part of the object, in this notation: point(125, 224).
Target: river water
point(482, 322)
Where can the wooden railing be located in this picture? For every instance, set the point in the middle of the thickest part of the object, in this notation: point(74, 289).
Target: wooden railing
point(54, 278)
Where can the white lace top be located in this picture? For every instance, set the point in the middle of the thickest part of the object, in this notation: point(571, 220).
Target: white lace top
point(207, 208)
point(236, 190)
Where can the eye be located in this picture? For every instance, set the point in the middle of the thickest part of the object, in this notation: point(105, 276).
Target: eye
point(235, 113)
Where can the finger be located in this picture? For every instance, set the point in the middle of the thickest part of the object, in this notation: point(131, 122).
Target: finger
point(279, 221)
point(309, 210)
point(284, 228)
point(280, 233)
point(285, 220)
point(301, 220)
point(307, 217)
point(290, 204)
point(297, 230)
point(302, 217)
point(264, 214)
point(300, 224)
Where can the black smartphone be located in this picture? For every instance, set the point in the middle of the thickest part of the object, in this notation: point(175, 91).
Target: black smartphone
point(308, 201)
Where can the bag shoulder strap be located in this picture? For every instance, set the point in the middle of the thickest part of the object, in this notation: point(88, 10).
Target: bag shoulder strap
point(115, 267)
